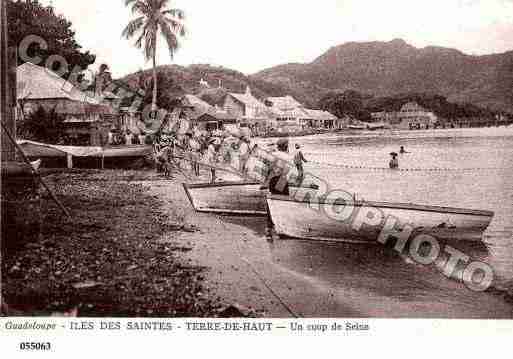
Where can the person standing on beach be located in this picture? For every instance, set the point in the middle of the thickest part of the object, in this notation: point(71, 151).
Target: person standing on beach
point(195, 149)
point(299, 158)
point(211, 158)
point(142, 139)
point(128, 138)
point(110, 138)
point(188, 150)
point(244, 153)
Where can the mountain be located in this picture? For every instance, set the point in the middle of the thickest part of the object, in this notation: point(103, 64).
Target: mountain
point(395, 67)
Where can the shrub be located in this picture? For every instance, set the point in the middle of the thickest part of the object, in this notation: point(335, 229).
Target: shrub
point(42, 126)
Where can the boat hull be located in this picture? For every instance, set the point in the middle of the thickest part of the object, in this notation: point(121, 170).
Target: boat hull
point(300, 219)
point(241, 198)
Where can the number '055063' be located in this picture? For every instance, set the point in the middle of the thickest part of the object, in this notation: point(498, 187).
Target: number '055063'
point(29, 346)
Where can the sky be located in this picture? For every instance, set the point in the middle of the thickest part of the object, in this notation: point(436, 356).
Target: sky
point(250, 36)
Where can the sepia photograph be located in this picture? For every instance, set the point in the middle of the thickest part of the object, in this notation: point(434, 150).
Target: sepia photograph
point(260, 160)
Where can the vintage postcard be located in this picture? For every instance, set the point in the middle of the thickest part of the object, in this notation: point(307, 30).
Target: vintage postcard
point(206, 171)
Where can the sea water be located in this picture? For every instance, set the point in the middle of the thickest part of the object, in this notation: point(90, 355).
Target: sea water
point(468, 168)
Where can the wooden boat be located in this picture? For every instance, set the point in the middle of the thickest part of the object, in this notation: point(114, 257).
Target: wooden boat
point(240, 198)
point(357, 127)
point(373, 126)
point(302, 219)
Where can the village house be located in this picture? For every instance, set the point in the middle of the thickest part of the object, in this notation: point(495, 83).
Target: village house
point(194, 113)
point(289, 114)
point(129, 104)
point(248, 110)
point(293, 116)
point(326, 120)
point(87, 121)
point(410, 116)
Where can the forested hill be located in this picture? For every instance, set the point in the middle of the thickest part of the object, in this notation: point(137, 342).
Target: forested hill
point(395, 67)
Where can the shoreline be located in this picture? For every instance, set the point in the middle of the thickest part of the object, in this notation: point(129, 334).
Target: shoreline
point(149, 254)
point(241, 271)
point(387, 130)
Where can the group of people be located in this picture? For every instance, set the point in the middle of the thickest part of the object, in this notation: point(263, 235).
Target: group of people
point(394, 161)
point(125, 138)
point(277, 182)
point(196, 149)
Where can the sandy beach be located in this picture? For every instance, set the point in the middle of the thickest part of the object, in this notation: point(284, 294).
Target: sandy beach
point(135, 247)
point(241, 270)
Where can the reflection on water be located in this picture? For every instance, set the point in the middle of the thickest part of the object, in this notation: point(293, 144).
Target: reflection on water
point(381, 281)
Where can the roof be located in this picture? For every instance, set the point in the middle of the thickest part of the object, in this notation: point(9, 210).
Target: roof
point(196, 102)
point(82, 120)
point(296, 113)
point(194, 107)
point(199, 108)
point(37, 149)
point(321, 115)
point(284, 103)
point(217, 115)
point(247, 99)
point(412, 105)
point(38, 83)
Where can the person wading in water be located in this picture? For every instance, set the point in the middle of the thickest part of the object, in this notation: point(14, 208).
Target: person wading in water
point(394, 162)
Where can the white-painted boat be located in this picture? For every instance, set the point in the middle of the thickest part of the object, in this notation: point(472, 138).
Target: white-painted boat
point(373, 126)
point(334, 221)
point(357, 127)
point(240, 198)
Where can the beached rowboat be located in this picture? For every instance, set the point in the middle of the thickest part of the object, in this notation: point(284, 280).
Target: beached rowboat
point(240, 198)
point(357, 127)
point(301, 219)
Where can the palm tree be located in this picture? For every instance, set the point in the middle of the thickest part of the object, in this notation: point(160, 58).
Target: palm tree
point(154, 18)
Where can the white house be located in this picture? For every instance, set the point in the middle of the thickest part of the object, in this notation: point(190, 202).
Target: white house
point(410, 116)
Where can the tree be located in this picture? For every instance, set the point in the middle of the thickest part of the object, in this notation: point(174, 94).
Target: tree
point(42, 126)
point(154, 18)
point(166, 81)
point(347, 103)
point(31, 18)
